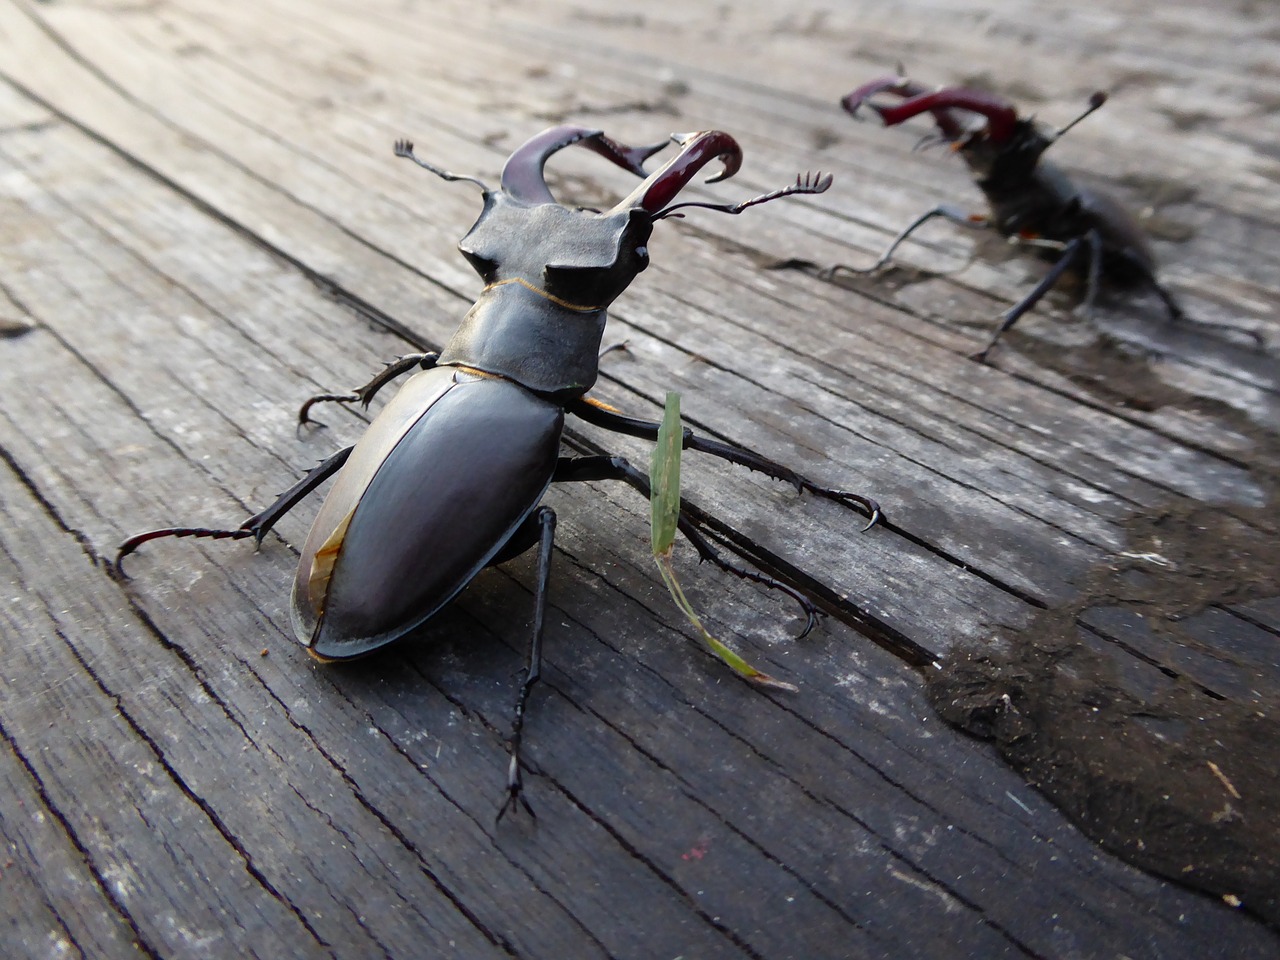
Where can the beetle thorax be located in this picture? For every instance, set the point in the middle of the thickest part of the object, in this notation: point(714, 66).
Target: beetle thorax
point(550, 271)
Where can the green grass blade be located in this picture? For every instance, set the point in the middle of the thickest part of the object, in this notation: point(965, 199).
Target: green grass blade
point(664, 478)
point(664, 502)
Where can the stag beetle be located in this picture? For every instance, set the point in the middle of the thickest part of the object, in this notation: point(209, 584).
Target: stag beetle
point(449, 477)
point(1031, 199)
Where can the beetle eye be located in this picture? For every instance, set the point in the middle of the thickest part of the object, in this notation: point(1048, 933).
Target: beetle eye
point(485, 266)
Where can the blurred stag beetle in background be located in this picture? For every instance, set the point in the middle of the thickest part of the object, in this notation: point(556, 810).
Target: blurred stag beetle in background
point(1031, 199)
point(449, 477)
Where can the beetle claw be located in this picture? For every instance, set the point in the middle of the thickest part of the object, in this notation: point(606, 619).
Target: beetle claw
point(304, 412)
point(116, 566)
point(515, 792)
point(811, 618)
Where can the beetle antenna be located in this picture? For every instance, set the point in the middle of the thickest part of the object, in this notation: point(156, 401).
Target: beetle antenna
point(404, 148)
point(1098, 99)
point(805, 183)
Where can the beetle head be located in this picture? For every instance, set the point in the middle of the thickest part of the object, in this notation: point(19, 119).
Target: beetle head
point(1014, 157)
point(582, 257)
point(1006, 148)
point(588, 257)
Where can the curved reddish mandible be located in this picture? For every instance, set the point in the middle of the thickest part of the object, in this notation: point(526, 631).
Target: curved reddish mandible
point(696, 151)
point(1000, 114)
point(900, 86)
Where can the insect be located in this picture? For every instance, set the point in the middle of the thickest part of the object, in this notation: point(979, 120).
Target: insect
point(449, 477)
point(1031, 199)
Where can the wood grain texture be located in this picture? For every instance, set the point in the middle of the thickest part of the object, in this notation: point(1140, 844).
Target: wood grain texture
point(203, 224)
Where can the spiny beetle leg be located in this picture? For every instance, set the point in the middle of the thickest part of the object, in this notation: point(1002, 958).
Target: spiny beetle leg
point(365, 394)
point(545, 519)
point(570, 469)
point(257, 525)
point(134, 542)
point(1011, 316)
point(946, 211)
point(648, 430)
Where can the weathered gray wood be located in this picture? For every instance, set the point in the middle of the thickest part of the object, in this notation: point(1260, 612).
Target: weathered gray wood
point(204, 222)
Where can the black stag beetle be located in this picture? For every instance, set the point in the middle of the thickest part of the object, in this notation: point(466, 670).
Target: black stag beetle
point(449, 477)
point(1031, 199)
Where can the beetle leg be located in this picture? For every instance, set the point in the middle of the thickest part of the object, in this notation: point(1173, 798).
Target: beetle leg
point(1094, 240)
point(545, 518)
point(1171, 304)
point(365, 394)
point(257, 525)
point(946, 211)
point(1010, 316)
point(1178, 315)
point(648, 430)
point(1176, 312)
point(605, 467)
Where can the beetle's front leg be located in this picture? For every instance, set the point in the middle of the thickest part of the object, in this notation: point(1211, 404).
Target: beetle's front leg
point(257, 525)
point(943, 210)
point(365, 394)
point(545, 520)
point(648, 430)
point(957, 216)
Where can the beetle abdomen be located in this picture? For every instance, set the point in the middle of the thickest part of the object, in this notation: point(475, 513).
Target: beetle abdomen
point(439, 482)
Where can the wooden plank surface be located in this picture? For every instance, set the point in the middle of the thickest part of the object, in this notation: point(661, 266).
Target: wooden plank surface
point(204, 225)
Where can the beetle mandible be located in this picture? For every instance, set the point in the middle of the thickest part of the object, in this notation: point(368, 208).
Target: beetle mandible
point(449, 477)
point(1031, 199)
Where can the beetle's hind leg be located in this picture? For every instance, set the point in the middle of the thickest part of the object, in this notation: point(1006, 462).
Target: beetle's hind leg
point(363, 395)
point(619, 468)
point(257, 525)
point(648, 430)
point(544, 518)
point(1177, 314)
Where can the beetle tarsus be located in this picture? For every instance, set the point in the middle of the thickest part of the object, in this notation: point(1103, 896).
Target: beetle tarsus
point(364, 395)
point(304, 412)
point(134, 542)
point(515, 798)
point(708, 554)
point(622, 346)
point(544, 518)
point(256, 526)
